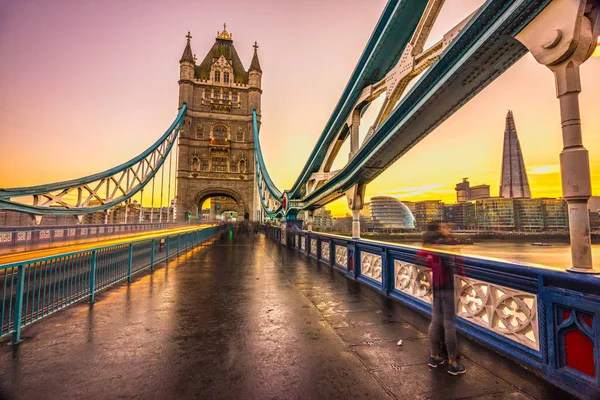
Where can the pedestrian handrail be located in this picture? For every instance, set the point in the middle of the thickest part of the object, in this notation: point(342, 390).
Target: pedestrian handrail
point(546, 319)
point(24, 238)
point(36, 288)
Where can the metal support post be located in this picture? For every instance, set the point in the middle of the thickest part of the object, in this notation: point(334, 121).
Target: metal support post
point(310, 218)
point(356, 200)
point(167, 248)
point(93, 275)
point(152, 256)
point(19, 304)
point(354, 132)
point(130, 262)
point(562, 37)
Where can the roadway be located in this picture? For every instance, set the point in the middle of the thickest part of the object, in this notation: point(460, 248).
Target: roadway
point(247, 318)
point(55, 251)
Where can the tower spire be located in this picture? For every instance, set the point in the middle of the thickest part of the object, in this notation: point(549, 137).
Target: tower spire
point(514, 182)
point(255, 65)
point(187, 52)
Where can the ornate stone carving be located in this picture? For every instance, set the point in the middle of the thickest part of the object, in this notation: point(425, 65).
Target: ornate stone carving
point(413, 280)
point(313, 246)
point(5, 237)
point(303, 243)
point(341, 256)
point(370, 265)
point(508, 312)
point(325, 251)
point(296, 240)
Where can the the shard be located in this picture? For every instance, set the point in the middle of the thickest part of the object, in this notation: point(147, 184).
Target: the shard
point(514, 182)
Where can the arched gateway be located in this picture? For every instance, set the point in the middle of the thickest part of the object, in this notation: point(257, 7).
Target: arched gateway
point(216, 144)
point(222, 200)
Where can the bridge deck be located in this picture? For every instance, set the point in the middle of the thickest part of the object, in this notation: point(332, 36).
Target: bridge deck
point(246, 318)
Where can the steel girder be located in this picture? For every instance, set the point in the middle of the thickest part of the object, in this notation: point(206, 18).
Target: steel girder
point(96, 192)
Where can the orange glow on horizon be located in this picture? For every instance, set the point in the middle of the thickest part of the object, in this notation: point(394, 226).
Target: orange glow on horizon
point(77, 99)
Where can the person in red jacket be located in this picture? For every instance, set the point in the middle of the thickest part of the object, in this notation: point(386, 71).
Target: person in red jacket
point(443, 314)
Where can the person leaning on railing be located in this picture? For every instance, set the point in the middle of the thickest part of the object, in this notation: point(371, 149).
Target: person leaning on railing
point(443, 315)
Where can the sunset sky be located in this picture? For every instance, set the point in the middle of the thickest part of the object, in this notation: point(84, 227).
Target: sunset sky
point(86, 85)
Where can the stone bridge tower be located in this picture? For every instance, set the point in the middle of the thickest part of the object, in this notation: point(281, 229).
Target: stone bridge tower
point(216, 146)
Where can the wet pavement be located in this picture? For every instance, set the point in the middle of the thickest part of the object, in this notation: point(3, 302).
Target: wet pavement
point(245, 318)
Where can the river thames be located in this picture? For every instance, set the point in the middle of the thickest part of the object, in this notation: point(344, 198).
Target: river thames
point(557, 255)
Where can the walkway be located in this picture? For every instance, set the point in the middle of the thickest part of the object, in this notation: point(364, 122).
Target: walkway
point(246, 319)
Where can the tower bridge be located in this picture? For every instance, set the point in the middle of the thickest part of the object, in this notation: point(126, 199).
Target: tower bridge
point(293, 313)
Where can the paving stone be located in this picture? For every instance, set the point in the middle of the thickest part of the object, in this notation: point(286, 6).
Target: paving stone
point(422, 382)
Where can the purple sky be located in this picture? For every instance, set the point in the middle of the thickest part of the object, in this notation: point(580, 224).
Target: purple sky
point(86, 85)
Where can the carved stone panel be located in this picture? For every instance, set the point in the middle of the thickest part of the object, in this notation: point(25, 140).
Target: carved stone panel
point(341, 256)
point(370, 265)
point(325, 251)
point(413, 280)
point(508, 312)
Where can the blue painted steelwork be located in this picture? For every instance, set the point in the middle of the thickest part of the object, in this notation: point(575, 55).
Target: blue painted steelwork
point(481, 52)
point(555, 291)
point(261, 174)
point(391, 34)
point(151, 159)
point(39, 287)
point(22, 238)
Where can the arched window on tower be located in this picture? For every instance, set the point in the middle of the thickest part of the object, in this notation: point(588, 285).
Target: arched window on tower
point(240, 135)
point(220, 132)
point(217, 76)
point(204, 165)
point(226, 77)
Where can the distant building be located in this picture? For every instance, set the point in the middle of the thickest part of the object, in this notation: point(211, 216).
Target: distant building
point(390, 215)
point(412, 206)
point(344, 224)
point(462, 191)
point(529, 215)
point(495, 214)
point(428, 211)
point(594, 203)
point(323, 220)
point(594, 220)
point(465, 192)
point(556, 215)
point(479, 192)
point(513, 182)
point(460, 216)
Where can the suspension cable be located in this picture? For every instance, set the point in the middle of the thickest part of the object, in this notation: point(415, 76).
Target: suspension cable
point(152, 205)
point(176, 167)
point(162, 187)
point(141, 216)
point(169, 203)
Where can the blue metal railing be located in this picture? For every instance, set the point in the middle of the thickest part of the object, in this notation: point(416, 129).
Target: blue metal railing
point(546, 319)
point(34, 289)
point(36, 237)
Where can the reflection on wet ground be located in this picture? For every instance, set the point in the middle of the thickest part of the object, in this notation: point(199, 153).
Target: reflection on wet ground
point(246, 318)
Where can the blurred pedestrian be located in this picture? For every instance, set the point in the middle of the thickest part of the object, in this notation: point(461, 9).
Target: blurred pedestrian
point(443, 314)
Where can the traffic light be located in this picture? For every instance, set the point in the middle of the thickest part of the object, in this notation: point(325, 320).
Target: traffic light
point(188, 215)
